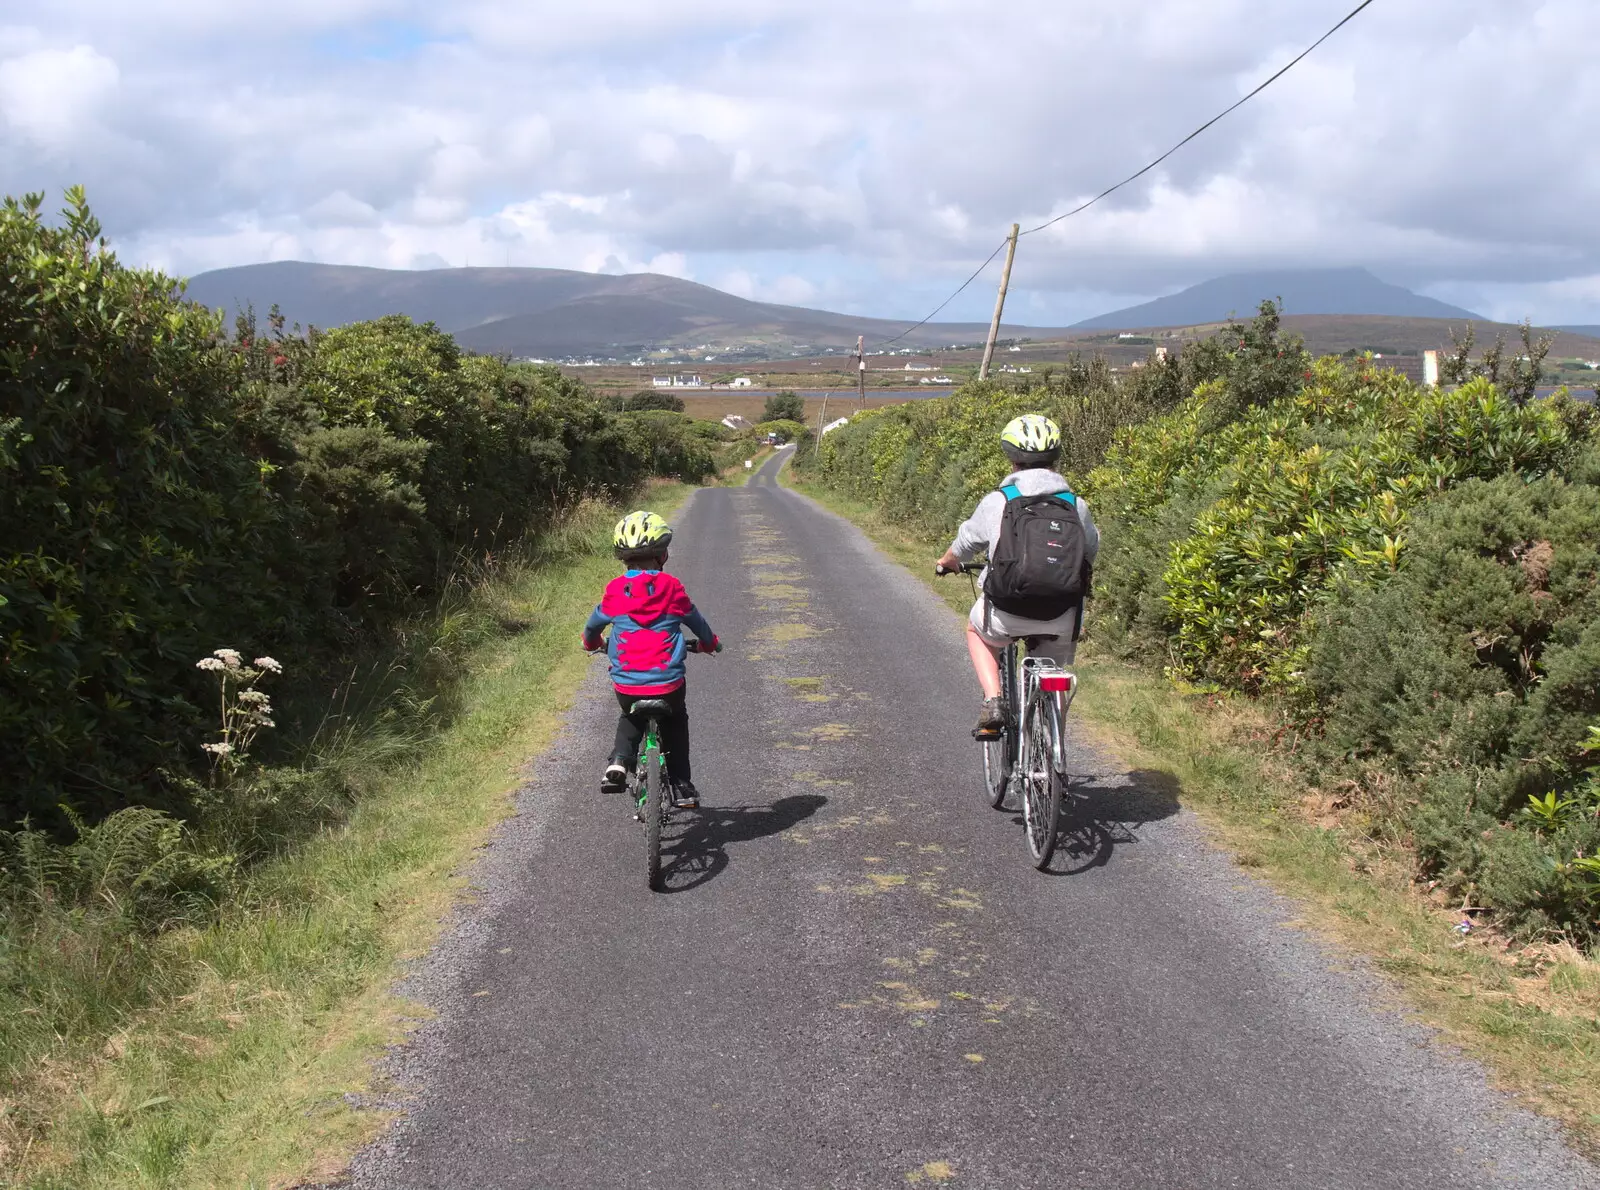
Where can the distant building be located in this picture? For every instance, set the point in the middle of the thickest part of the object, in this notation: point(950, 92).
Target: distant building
point(919, 368)
point(834, 425)
point(734, 422)
point(741, 382)
point(677, 382)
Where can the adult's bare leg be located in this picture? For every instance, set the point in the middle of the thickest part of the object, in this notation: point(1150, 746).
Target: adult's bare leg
point(985, 663)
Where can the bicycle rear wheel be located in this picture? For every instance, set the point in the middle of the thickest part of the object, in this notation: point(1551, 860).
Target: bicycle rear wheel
point(1042, 785)
point(653, 808)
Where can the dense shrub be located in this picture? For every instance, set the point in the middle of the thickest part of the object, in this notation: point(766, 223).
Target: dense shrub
point(164, 487)
point(784, 406)
point(1221, 543)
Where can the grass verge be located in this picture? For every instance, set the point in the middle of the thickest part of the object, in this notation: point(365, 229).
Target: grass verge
point(241, 1073)
point(1530, 1014)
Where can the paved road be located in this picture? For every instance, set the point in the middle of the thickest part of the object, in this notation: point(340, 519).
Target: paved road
point(856, 978)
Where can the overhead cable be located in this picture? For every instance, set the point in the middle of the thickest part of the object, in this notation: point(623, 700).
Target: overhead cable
point(1348, 17)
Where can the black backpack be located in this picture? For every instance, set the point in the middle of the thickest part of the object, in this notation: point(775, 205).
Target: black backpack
point(1038, 563)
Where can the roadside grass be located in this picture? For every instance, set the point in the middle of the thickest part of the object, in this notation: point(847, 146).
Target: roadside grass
point(1531, 1014)
point(250, 1068)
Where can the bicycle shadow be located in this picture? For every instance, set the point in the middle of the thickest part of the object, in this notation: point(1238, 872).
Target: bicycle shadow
point(696, 852)
point(1104, 814)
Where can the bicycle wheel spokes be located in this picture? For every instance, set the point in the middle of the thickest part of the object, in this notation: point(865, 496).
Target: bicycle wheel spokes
point(1041, 785)
point(996, 771)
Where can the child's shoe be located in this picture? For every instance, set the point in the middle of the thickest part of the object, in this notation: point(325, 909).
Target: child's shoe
point(685, 796)
point(615, 779)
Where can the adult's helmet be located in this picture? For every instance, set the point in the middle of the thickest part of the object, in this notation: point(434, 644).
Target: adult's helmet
point(641, 534)
point(1031, 440)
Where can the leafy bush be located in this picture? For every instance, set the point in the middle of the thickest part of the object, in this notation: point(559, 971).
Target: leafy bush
point(784, 406)
point(785, 430)
point(653, 399)
point(163, 486)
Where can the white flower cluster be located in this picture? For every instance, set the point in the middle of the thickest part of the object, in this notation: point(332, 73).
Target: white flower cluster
point(209, 663)
point(221, 749)
point(268, 664)
point(230, 657)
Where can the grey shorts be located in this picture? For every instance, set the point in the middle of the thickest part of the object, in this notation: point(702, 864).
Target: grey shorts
point(1001, 628)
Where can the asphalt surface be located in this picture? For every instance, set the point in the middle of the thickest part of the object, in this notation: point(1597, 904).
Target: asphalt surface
point(856, 978)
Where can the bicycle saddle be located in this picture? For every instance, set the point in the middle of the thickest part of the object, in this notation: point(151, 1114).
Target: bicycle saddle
point(652, 706)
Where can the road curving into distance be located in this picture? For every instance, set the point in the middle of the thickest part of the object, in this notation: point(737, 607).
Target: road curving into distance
point(856, 978)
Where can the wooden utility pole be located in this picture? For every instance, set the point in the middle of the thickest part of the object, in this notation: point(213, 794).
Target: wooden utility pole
point(999, 302)
point(861, 371)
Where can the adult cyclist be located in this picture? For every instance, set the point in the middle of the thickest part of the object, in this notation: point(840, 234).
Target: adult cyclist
point(1033, 444)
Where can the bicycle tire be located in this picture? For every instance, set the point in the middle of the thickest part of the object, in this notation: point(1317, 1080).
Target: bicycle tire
point(654, 808)
point(1041, 786)
point(1000, 755)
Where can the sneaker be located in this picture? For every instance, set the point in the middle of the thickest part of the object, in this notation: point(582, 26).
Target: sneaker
point(991, 720)
point(615, 779)
point(685, 796)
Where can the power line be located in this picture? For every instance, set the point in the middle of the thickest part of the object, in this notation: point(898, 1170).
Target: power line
point(1350, 16)
point(998, 249)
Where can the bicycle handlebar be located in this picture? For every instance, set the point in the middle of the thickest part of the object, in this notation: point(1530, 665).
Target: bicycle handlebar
point(700, 646)
point(964, 568)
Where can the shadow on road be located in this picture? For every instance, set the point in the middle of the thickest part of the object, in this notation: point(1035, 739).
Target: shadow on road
point(1104, 813)
point(699, 852)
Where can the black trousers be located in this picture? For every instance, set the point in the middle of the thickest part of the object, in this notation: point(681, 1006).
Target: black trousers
point(674, 732)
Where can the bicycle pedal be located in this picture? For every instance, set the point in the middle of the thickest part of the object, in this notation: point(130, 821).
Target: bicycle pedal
point(995, 734)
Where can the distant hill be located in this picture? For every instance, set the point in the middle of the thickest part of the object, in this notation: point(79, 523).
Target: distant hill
point(558, 313)
point(1304, 291)
point(1592, 331)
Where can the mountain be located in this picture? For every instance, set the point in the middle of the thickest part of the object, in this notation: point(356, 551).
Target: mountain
point(1304, 291)
point(557, 312)
point(1592, 331)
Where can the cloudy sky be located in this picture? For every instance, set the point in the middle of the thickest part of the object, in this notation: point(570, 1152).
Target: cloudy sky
point(856, 156)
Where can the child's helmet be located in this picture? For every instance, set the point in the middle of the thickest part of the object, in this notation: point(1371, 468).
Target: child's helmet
point(641, 534)
point(1032, 440)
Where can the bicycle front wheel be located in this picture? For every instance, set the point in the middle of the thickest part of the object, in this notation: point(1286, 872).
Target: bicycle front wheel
point(653, 809)
point(1042, 785)
point(999, 755)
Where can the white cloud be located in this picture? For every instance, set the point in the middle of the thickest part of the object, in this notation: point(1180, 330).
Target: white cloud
point(54, 97)
point(866, 156)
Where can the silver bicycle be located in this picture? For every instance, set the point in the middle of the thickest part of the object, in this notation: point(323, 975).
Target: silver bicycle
point(1026, 760)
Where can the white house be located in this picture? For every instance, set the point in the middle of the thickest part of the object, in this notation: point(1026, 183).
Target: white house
point(741, 382)
point(834, 425)
point(734, 422)
point(677, 382)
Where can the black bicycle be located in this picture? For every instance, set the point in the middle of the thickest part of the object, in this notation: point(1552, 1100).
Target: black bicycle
point(1027, 756)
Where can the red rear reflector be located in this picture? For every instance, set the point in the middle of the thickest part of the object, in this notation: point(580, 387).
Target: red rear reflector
point(1060, 684)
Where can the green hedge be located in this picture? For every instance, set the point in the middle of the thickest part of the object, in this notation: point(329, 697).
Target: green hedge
point(166, 488)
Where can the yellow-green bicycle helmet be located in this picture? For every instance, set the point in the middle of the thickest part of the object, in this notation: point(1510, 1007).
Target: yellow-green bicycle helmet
point(1031, 434)
point(641, 534)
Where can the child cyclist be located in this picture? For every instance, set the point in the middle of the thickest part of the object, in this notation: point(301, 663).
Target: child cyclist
point(1033, 444)
point(647, 611)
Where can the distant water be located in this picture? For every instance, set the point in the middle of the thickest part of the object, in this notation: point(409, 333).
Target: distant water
point(840, 394)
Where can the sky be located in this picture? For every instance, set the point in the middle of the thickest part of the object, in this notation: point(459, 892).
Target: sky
point(849, 156)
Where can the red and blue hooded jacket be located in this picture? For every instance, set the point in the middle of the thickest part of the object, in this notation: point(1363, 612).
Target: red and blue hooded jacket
point(647, 611)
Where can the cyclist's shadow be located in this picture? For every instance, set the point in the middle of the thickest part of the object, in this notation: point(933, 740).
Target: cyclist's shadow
point(1104, 815)
point(695, 848)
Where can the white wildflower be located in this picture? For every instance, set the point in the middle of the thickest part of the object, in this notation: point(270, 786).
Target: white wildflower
point(230, 657)
point(260, 696)
point(221, 749)
point(268, 664)
point(209, 663)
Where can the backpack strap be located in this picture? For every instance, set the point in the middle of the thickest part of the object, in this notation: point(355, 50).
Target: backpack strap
point(1011, 492)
